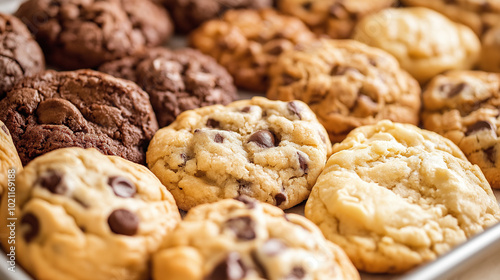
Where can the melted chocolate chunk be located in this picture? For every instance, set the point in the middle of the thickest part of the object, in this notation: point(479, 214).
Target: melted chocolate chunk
point(184, 158)
point(218, 138)
point(249, 202)
point(52, 181)
point(31, 222)
point(263, 138)
point(307, 6)
point(294, 109)
point(303, 163)
point(280, 198)
point(297, 273)
point(457, 89)
point(232, 268)
point(211, 123)
point(245, 109)
point(243, 227)
point(287, 79)
point(122, 187)
point(491, 154)
point(478, 126)
point(122, 221)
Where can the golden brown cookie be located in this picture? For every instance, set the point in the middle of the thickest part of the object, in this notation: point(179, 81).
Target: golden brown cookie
point(10, 163)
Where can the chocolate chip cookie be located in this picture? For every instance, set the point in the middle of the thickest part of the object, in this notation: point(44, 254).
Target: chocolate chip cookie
point(269, 150)
point(188, 15)
point(424, 42)
point(464, 106)
point(85, 33)
point(9, 159)
point(334, 18)
point(244, 239)
point(479, 15)
point(20, 54)
point(394, 196)
point(246, 42)
point(176, 81)
point(490, 50)
point(347, 84)
point(84, 108)
point(84, 215)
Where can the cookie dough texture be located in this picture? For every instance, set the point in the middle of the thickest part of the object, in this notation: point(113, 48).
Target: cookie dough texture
point(347, 84)
point(333, 18)
point(85, 33)
point(83, 215)
point(394, 196)
point(188, 15)
point(20, 54)
point(479, 15)
point(9, 159)
point(176, 80)
point(246, 42)
point(424, 42)
point(464, 107)
point(269, 150)
point(84, 108)
point(231, 239)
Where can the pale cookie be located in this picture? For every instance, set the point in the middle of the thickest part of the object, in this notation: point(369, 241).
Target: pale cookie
point(83, 215)
point(424, 42)
point(269, 150)
point(333, 18)
point(347, 84)
point(9, 159)
point(248, 240)
point(464, 106)
point(394, 196)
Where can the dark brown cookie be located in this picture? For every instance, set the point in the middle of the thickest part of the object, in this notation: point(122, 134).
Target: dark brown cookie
point(189, 14)
point(84, 108)
point(176, 81)
point(20, 54)
point(86, 33)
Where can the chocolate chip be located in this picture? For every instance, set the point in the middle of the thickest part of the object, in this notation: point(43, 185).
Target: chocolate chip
point(372, 61)
point(211, 123)
point(243, 227)
point(491, 154)
point(245, 109)
point(287, 79)
point(197, 130)
point(184, 158)
point(297, 273)
point(52, 181)
point(218, 138)
point(280, 198)
point(303, 163)
point(456, 89)
point(307, 6)
point(338, 70)
point(232, 268)
point(276, 50)
point(31, 222)
point(480, 125)
point(263, 138)
point(122, 221)
point(294, 109)
point(4, 128)
point(122, 187)
point(249, 202)
point(273, 247)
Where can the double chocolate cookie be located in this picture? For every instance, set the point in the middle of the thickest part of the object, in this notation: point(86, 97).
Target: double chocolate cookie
point(176, 81)
point(53, 110)
point(85, 33)
point(20, 54)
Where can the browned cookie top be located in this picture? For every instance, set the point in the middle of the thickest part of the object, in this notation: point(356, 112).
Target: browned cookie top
point(176, 81)
point(83, 108)
point(189, 14)
point(86, 33)
point(20, 55)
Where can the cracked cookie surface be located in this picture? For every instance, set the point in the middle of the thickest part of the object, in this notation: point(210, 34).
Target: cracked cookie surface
point(83, 108)
point(80, 34)
point(347, 84)
point(464, 107)
point(20, 54)
point(245, 239)
point(394, 196)
point(9, 158)
point(86, 216)
point(247, 42)
point(269, 150)
point(176, 80)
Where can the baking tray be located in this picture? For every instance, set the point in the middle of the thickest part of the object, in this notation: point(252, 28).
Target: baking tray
point(478, 258)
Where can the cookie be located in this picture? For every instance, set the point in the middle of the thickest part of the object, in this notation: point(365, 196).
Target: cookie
point(464, 106)
point(479, 15)
point(246, 42)
point(83, 108)
point(269, 150)
point(243, 239)
point(20, 54)
point(176, 80)
point(347, 84)
point(84, 215)
point(86, 33)
point(394, 196)
point(333, 18)
point(190, 14)
point(490, 54)
point(406, 34)
point(9, 160)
